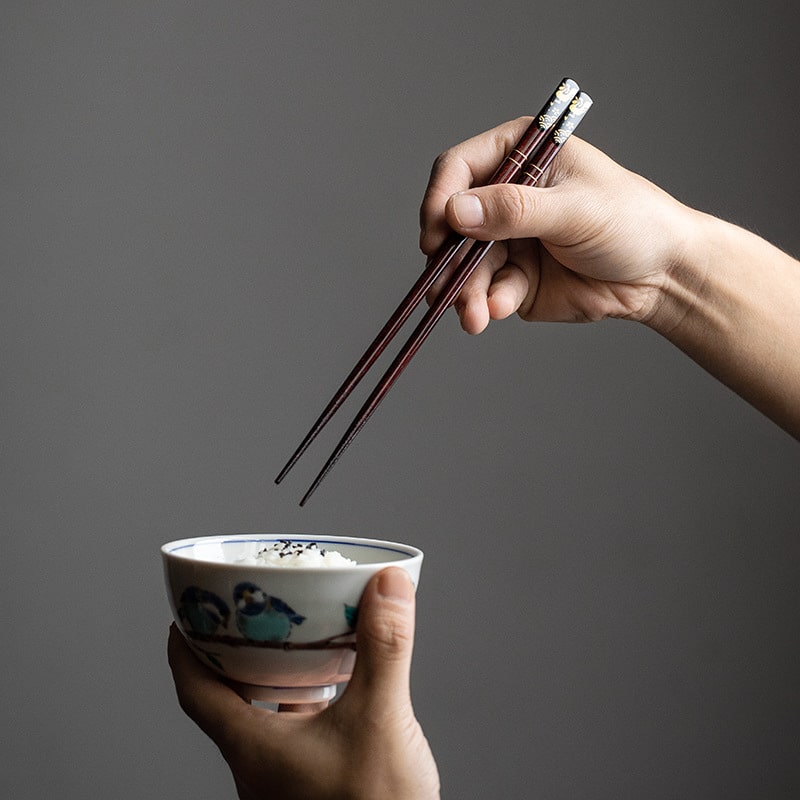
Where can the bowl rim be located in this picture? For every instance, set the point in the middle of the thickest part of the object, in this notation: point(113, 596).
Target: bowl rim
point(409, 552)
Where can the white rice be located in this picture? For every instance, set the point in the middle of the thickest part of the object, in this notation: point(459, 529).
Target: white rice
point(286, 553)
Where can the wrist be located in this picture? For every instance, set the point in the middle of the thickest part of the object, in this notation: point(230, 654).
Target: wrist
point(730, 302)
point(686, 273)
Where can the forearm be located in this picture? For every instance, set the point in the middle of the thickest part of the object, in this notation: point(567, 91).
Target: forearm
point(732, 303)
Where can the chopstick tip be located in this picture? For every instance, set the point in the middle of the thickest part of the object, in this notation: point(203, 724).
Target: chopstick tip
point(289, 464)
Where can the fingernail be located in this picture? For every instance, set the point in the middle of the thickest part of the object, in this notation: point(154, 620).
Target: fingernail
point(468, 210)
point(394, 584)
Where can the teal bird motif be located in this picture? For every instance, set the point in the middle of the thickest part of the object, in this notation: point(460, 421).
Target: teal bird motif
point(261, 617)
point(203, 611)
point(351, 615)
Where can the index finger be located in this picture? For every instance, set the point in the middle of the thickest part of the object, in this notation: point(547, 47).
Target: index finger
point(213, 705)
point(471, 163)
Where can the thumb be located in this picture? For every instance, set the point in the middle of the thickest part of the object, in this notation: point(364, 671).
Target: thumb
point(385, 632)
point(507, 211)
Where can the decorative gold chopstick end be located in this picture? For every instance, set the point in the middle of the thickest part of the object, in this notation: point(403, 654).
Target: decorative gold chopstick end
point(577, 110)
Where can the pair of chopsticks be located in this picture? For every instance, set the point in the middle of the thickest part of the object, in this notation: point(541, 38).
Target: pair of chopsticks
point(524, 165)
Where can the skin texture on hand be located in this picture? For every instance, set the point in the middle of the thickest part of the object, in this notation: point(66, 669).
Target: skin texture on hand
point(368, 744)
point(594, 241)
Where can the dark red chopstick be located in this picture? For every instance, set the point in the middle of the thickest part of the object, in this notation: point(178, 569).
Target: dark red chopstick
point(531, 173)
point(507, 172)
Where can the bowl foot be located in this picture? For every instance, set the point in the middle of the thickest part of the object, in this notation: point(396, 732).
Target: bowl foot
point(288, 695)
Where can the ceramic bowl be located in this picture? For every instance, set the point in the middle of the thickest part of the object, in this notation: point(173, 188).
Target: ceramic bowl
point(284, 634)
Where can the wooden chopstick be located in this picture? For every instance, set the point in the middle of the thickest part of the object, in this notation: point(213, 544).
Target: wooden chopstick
point(531, 173)
point(508, 172)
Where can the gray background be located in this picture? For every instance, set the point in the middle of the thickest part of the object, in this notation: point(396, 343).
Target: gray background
point(207, 211)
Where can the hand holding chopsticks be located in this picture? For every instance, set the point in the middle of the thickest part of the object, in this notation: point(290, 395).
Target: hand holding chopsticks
point(524, 165)
point(508, 172)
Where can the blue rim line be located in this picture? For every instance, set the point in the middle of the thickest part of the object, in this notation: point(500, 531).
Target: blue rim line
point(302, 541)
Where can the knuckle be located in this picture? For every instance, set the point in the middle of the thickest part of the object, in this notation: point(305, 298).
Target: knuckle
point(515, 207)
point(443, 161)
point(390, 634)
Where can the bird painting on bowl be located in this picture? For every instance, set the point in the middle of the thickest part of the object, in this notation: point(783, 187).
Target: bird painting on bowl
point(261, 617)
point(203, 611)
point(351, 615)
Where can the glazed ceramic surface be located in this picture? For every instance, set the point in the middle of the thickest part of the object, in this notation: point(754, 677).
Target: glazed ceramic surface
point(287, 634)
